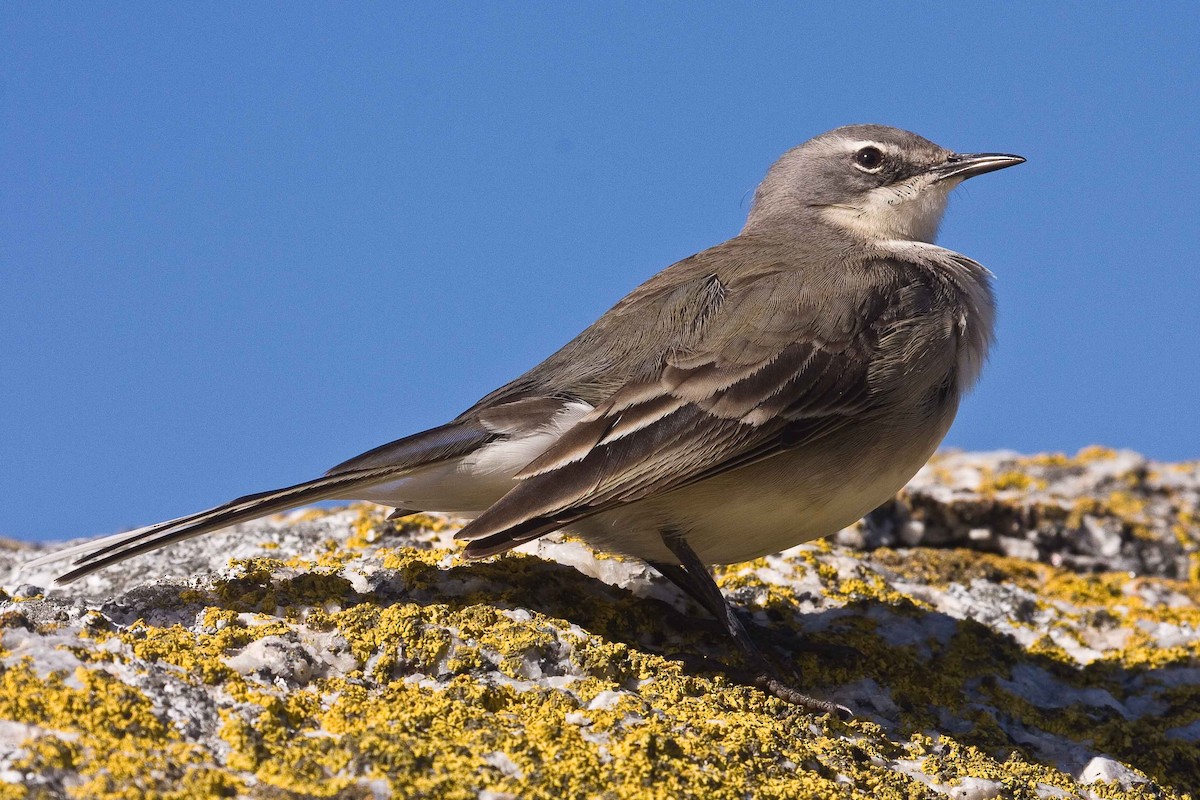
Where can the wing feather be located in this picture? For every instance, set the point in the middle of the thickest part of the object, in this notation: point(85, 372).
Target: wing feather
point(676, 435)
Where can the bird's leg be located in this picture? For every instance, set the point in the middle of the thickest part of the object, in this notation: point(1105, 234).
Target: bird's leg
point(693, 577)
point(680, 577)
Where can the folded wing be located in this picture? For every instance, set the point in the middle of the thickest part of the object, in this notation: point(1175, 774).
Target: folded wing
point(763, 378)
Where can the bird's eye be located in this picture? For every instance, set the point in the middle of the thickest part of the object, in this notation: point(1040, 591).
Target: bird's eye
point(869, 158)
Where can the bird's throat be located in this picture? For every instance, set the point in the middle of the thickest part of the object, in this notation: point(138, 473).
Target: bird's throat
point(910, 211)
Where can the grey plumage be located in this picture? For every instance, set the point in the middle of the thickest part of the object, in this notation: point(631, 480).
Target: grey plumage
point(765, 391)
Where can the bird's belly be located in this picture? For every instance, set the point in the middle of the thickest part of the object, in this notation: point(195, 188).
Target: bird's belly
point(769, 506)
point(763, 508)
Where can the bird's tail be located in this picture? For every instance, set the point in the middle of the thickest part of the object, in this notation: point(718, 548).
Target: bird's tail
point(385, 463)
point(100, 553)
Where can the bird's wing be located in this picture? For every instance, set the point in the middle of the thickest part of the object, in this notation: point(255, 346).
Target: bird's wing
point(770, 371)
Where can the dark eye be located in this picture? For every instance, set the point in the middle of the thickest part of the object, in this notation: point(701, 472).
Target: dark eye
point(869, 158)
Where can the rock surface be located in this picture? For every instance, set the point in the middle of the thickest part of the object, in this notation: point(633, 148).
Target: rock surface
point(1010, 627)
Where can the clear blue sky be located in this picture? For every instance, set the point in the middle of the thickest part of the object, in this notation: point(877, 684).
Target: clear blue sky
point(240, 242)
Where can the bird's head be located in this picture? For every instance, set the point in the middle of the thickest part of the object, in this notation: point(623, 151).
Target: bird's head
point(871, 181)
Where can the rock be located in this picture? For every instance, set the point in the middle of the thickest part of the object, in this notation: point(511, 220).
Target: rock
point(1046, 647)
point(1107, 770)
point(1100, 510)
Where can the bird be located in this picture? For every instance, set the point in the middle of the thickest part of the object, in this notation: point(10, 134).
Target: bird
point(761, 393)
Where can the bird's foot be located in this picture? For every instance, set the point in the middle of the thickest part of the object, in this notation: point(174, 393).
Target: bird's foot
point(777, 688)
point(693, 577)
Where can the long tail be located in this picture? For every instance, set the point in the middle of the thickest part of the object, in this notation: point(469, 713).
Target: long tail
point(376, 466)
point(100, 553)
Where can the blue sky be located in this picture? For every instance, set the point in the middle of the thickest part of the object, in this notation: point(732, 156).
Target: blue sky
point(242, 242)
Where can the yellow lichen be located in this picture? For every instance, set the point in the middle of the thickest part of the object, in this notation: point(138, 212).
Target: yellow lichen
point(1012, 480)
point(1047, 460)
point(1095, 453)
point(442, 693)
point(119, 747)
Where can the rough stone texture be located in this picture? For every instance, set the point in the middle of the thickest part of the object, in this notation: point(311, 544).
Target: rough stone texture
point(1010, 627)
point(1101, 511)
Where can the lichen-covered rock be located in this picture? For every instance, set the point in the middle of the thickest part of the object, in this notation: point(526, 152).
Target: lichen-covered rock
point(1103, 510)
point(1048, 646)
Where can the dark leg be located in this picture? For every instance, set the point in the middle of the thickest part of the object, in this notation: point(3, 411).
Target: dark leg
point(693, 577)
point(680, 577)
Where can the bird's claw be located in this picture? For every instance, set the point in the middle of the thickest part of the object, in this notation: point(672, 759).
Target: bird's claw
point(777, 688)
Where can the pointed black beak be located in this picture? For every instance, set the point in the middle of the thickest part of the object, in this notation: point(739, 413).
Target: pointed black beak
point(961, 166)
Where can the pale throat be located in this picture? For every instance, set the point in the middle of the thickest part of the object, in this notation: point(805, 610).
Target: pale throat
point(910, 211)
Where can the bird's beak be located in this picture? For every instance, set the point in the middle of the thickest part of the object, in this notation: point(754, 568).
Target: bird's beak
point(961, 166)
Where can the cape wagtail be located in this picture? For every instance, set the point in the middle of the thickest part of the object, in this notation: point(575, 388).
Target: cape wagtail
point(764, 392)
